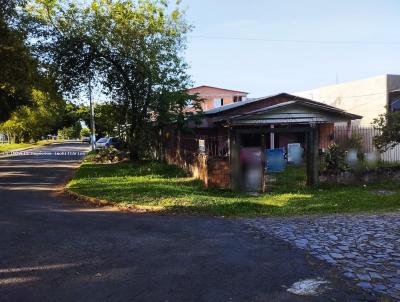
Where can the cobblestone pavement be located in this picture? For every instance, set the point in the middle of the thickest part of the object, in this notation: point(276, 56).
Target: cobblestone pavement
point(364, 247)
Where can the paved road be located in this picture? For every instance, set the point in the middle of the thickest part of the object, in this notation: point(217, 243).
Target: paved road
point(363, 247)
point(53, 249)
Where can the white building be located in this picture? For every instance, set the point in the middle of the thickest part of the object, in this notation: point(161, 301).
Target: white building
point(368, 97)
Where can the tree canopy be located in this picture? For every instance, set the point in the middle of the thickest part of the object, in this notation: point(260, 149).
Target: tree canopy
point(18, 71)
point(30, 103)
point(133, 49)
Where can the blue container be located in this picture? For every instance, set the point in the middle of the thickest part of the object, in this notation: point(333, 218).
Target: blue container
point(275, 160)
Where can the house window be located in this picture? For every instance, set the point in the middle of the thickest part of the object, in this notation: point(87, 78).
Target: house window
point(218, 102)
point(237, 98)
point(395, 104)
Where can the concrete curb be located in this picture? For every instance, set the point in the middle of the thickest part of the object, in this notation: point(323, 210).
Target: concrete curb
point(101, 203)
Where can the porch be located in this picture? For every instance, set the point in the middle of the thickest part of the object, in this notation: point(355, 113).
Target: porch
point(244, 146)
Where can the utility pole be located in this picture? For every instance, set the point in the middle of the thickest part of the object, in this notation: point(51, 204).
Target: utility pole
point(92, 132)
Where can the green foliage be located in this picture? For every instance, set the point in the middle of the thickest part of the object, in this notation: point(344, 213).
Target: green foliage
point(335, 159)
point(30, 105)
point(35, 121)
point(388, 125)
point(18, 72)
point(132, 49)
point(107, 118)
point(355, 142)
point(70, 132)
point(11, 147)
point(85, 132)
point(158, 187)
point(73, 114)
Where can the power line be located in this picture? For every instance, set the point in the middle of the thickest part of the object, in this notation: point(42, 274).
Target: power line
point(356, 42)
point(339, 96)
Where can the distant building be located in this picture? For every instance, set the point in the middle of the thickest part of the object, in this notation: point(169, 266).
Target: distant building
point(368, 97)
point(214, 97)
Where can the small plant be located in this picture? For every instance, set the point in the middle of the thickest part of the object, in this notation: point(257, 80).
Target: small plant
point(355, 142)
point(109, 155)
point(335, 159)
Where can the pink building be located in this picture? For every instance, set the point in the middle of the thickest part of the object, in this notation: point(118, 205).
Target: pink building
point(216, 97)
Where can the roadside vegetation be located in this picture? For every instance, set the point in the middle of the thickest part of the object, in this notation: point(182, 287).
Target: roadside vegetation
point(158, 187)
point(10, 147)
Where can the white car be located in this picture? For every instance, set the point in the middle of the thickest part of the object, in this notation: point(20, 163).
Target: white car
point(106, 142)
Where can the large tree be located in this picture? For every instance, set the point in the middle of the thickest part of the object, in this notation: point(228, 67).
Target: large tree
point(44, 115)
point(133, 49)
point(18, 69)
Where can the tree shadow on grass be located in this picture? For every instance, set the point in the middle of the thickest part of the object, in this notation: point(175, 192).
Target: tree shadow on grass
point(151, 188)
point(168, 187)
point(126, 169)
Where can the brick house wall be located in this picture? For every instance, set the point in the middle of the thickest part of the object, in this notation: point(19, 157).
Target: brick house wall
point(219, 173)
point(213, 172)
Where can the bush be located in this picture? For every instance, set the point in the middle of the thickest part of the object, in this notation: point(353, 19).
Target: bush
point(70, 132)
point(85, 132)
point(109, 155)
point(335, 159)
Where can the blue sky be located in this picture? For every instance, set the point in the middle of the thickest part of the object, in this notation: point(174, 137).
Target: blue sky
point(262, 67)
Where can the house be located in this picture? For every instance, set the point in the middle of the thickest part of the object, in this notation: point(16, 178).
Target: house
point(214, 97)
point(367, 97)
point(230, 148)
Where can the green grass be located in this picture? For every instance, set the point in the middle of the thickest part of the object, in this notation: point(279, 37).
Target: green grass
point(10, 147)
point(156, 186)
point(292, 179)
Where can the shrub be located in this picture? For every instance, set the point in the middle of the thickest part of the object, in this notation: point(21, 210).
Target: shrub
point(109, 155)
point(335, 159)
point(355, 142)
point(85, 132)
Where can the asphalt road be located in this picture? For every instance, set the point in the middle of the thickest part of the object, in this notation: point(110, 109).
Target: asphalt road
point(55, 249)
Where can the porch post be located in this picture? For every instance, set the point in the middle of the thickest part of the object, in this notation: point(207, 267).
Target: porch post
point(234, 158)
point(263, 161)
point(312, 156)
point(272, 138)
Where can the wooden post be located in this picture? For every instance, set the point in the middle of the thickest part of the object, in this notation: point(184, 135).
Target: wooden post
point(263, 161)
point(316, 162)
point(312, 138)
point(234, 147)
point(272, 138)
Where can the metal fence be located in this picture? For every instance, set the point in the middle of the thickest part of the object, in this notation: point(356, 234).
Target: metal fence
point(354, 137)
point(351, 137)
point(213, 146)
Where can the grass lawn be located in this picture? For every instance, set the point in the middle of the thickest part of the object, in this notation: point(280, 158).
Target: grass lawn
point(156, 186)
point(10, 147)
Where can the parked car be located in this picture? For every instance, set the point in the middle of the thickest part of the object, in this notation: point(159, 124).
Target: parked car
point(108, 141)
point(85, 139)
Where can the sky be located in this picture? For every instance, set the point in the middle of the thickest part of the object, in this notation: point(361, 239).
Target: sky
point(234, 43)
